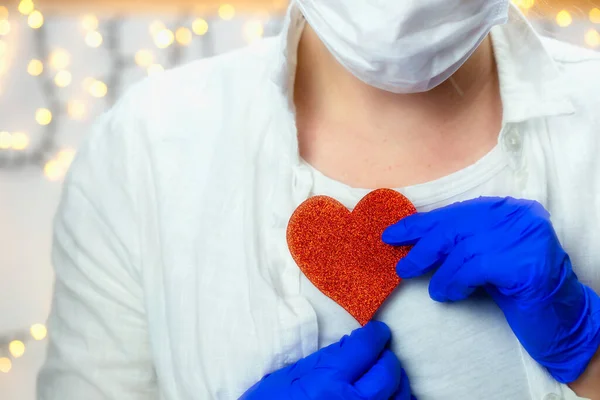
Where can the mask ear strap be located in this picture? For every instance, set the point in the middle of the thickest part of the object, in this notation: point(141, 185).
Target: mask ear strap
point(456, 87)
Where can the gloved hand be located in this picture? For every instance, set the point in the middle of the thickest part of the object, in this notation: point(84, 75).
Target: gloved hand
point(508, 247)
point(358, 367)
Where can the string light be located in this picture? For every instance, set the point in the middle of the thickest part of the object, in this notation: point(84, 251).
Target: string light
point(164, 38)
point(253, 30)
point(4, 27)
point(5, 365)
point(20, 141)
point(3, 12)
point(26, 7)
point(595, 15)
point(59, 59)
point(144, 58)
point(226, 12)
point(35, 67)
point(76, 109)
point(93, 39)
point(200, 26)
point(592, 38)
point(38, 331)
point(563, 18)
point(98, 89)
point(155, 69)
point(63, 78)
point(183, 36)
point(43, 116)
point(89, 22)
point(35, 19)
point(16, 348)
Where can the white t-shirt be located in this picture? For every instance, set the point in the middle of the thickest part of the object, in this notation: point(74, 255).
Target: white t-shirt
point(450, 351)
point(173, 278)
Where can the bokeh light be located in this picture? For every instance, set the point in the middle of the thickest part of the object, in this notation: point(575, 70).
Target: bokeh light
point(592, 38)
point(226, 12)
point(20, 141)
point(164, 38)
point(16, 348)
point(35, 19)
point(5, 365)
point(200, 26)
point(524, 4)
point(26, 7)
point(144, 58)
point(183, 36)
point(63, 78)
point(53, 170)
point(59, 59)
point(89, 22)
point(595, 15)
point(43, 116)
point(98, 89)
point(93, 39)
point(35, 67)
point(38, 331)
point(564, 18)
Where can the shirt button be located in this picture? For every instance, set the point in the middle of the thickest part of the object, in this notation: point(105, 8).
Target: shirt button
point(512, 140)
point(552, 396)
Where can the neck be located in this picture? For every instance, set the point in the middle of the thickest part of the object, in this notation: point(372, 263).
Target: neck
point(326, 92)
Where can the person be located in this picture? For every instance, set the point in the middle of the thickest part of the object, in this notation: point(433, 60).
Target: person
point(173, 277)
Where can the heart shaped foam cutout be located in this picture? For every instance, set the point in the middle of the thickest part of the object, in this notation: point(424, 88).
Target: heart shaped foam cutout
point(341, 252)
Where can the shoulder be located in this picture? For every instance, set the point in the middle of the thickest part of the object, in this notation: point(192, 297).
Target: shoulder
point(192, 102)
point(206, 88)
point(180, 111)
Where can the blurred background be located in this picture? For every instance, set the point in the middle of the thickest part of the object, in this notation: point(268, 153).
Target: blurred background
point(62, 63)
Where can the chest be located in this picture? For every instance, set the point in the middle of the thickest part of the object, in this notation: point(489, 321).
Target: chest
point(226, 303)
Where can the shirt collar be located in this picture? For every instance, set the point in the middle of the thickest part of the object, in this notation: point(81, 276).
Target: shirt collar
point(531, 85)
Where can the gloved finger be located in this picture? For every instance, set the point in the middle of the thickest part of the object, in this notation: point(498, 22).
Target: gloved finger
point(427, 254)
point(353, 355)
point(382, 380)
point(403, 392)
point(459, 276)
point(411, 228)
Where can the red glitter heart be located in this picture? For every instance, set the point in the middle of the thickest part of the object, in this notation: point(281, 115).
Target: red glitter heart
point(341, 252)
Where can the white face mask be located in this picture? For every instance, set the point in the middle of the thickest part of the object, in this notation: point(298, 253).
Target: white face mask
point(403, 46)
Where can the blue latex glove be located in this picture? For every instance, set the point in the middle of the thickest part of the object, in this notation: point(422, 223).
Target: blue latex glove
point(358, 367)
point(508, 247)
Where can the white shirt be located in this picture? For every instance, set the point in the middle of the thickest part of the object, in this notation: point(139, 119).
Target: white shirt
point(173, 279)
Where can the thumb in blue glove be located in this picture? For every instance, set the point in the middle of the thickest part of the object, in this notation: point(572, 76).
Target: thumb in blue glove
point(358, 367)
point(509, 248)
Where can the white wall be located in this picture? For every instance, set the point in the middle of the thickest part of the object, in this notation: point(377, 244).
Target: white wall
point(28, 199)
